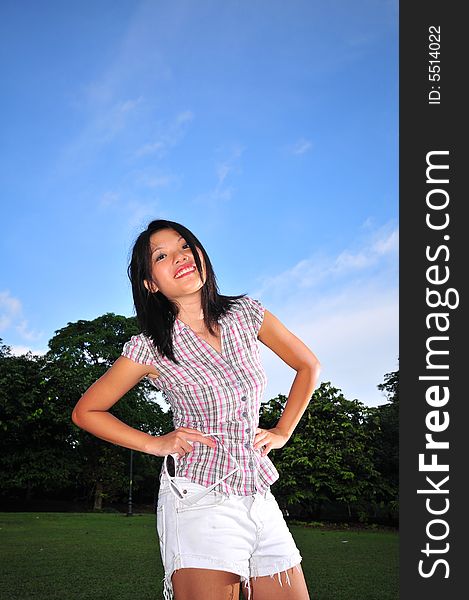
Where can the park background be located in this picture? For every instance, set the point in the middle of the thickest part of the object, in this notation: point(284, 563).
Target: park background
point(267, 128)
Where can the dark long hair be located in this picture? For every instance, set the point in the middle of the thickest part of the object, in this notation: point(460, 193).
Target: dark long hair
point(156, 314)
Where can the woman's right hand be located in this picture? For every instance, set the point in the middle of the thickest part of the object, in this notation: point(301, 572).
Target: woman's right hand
point(178, 442)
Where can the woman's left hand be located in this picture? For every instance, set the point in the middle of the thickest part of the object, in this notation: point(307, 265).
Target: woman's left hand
point(269, 439)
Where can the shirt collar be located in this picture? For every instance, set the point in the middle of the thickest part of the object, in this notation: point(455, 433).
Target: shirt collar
point(180, 326)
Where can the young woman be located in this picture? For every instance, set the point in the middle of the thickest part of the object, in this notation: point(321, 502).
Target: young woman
point(218, 522)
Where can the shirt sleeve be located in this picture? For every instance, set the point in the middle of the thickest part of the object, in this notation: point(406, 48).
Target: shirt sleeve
point(137, 350)
point(256, 312)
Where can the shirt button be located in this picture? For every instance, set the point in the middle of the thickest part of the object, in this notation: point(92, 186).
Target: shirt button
point(248, 430)
point(247, 445)
point(244, 414)
point(250, 463)
point(243, 398)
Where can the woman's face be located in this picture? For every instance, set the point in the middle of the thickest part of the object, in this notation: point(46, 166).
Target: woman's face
point(173, 268)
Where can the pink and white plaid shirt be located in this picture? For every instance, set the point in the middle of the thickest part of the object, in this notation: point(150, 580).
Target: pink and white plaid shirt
point(216, 392)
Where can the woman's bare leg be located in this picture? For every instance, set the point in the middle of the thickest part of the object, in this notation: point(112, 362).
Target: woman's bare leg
point(205, 584)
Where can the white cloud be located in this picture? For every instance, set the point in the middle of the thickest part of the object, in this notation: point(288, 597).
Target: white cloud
point(355, 337)
point(100, 129)
point(26, 333)
point(351, 324)
point(10, 308)
point(157, 148)
point(155, 180)
point(11, 315)
point(224, 170)
point(379, 246)
point(111, 121)
point(301, 146)
point(230, 164)
point(388, 243)
point(107, 123)
point(137, 63)
point(123, 200)
point(108, 199)
point(383, 242)
point(169, 135)
point(218, 195)
point(184, 117)
point(140, 213)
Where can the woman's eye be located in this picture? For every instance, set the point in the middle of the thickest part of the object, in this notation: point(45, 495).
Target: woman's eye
point(162, 255)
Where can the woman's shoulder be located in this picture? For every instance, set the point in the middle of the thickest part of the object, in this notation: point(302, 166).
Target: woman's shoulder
point(140, 349)
point(249, 311)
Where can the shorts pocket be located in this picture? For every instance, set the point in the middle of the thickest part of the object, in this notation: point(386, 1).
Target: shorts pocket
point(210, 500)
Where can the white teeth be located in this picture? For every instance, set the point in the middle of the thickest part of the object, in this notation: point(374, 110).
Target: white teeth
point(186, 270)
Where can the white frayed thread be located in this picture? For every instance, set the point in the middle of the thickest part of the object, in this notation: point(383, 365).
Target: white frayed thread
point(247, 585)
point(167, 589)
point(287, 577)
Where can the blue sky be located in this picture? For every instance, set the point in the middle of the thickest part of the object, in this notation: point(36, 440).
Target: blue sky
point(268, 128)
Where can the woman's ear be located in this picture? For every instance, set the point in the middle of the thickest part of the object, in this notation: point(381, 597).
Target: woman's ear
point(151, 287)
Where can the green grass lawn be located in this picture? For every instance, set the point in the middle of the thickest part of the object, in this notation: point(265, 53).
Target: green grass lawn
point(82, 556)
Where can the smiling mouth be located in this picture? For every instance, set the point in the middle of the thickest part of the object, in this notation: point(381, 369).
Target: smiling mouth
point(184, 272)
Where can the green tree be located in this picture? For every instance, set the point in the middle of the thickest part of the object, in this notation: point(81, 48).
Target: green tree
point(79, 354)
point(385, 422)
point(329, 457)
point(32, 456)
point(41, 450)
point(4, 350)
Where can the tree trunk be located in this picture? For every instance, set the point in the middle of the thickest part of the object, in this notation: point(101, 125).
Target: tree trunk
point(29, 491)
point(98, 496)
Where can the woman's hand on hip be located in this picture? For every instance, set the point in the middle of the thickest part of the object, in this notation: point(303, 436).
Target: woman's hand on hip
point(269, 439)
point(178, 442)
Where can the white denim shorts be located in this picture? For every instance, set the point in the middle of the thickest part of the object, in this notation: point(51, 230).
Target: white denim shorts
point(246, 535)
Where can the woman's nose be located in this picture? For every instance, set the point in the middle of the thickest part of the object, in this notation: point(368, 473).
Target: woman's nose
point(180, 256)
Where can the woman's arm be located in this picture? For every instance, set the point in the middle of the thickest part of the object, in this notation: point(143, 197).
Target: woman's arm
point(91, 413)
point(299, 357)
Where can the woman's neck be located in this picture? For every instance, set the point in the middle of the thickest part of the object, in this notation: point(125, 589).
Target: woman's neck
point(190, 311)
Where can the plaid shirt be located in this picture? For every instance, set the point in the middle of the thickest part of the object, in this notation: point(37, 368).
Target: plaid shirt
point(216, 392)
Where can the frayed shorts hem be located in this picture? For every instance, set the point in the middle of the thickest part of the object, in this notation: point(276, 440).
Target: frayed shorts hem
point(201, 561)
point(271, 569)
point(205, 561)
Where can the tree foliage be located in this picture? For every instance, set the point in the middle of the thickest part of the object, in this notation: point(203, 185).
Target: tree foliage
point(41, 448)
point(386, 455)
point(32, 450)
point(329, 458)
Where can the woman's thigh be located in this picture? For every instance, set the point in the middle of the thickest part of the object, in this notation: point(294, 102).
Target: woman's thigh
point(205, 584)
point(293, 586)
